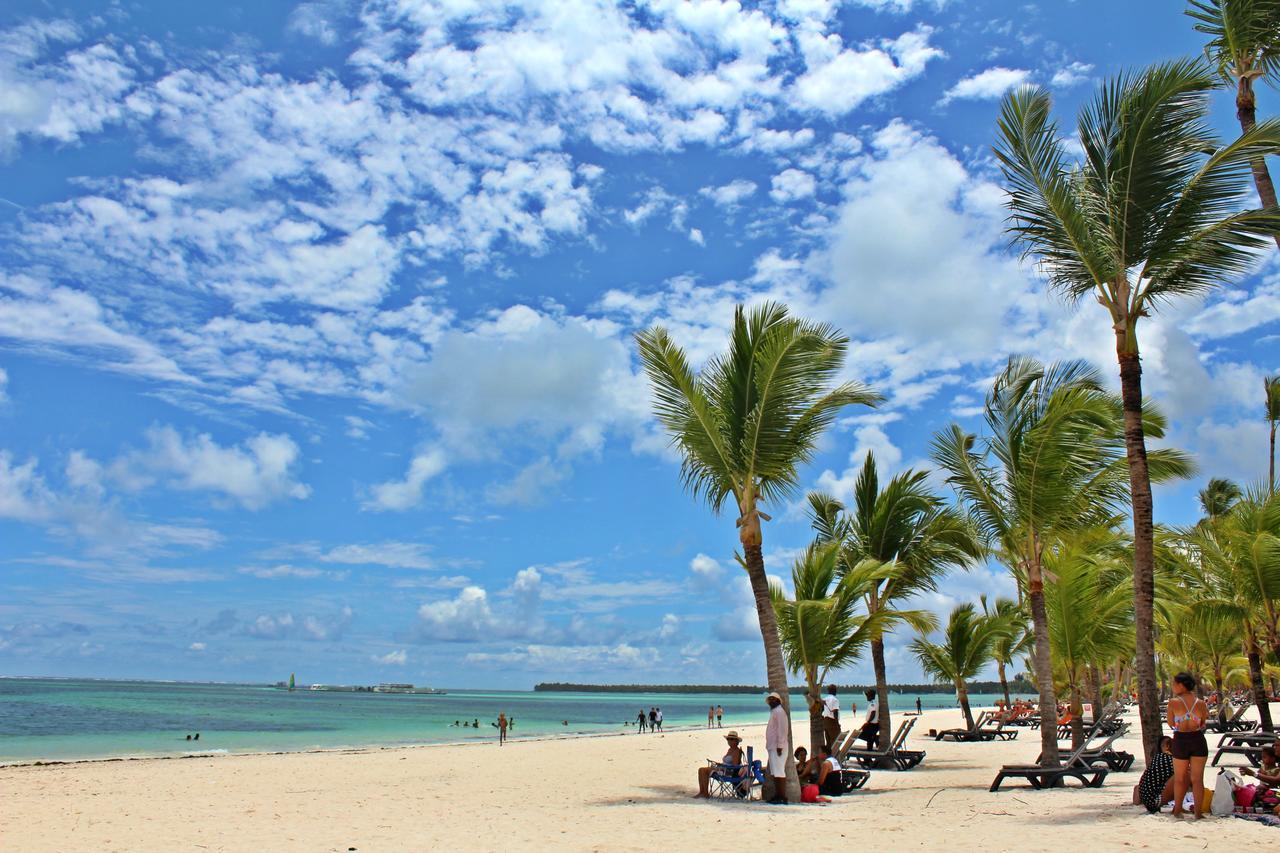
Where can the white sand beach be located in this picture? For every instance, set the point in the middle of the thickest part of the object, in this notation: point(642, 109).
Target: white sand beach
point(629, 792)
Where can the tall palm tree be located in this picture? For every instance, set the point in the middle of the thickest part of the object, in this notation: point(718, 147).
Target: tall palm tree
point(1244, 47)
point(1271, 388)
point(1218, 496)
point(1089, 601)
point(1013, 645)
point(968, 645)
point(1153, 212)
point(745, 424)
point(823, 627)
point(1051, 463)
point(910, 530)
point(1210, 640)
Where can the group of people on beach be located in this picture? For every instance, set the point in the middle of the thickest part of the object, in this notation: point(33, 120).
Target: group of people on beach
point(651, 722)
point(715, 714)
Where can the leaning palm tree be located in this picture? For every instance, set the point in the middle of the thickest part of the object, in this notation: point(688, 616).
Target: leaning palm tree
point(1051, 463)
point(1244, 47)
point(745, 424)
point(910, 530)
point(967, 646)
point(823, 626)
point(1013, 645)
point(1154, 211)
point(1271, 388)
point(1218, 496)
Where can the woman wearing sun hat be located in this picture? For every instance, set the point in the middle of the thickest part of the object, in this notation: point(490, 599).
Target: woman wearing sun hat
point(732, 758)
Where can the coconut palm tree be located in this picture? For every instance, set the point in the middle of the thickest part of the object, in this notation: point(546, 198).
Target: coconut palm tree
point(968, 644)
point(1051, 463)
point(1154, 211)
point(745, 424)
point(910, 530)
point(1244, 47)
point(1089, 600)
point(1009, 647)
point(1209, 641)
point(823, 626)
point(1218, 496)
point(1271, 388)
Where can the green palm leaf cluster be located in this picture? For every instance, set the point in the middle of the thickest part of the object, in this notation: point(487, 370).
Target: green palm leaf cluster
point(1156, 209)
point(967, 645)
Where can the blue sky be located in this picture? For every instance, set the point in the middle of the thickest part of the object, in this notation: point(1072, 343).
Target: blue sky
point(315, 318)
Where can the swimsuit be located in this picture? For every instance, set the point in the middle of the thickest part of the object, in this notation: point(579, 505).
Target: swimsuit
point(1188, 744)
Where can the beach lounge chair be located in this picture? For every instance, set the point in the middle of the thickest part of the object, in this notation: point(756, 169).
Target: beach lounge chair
point(1248, 746)
point(1234, 724)
point(966, 735)
point(1119, 761)
point(1090, 775)
point(999, 732)
point(728, 782)
point(903, 759)
point(843, 742)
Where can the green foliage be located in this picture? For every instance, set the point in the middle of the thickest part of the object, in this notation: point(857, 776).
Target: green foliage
point(967, 645)
point(1244, 36)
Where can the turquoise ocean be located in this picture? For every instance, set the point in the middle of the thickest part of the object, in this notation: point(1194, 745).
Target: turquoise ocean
point(66, 719)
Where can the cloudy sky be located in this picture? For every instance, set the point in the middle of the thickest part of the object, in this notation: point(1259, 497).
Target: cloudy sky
point(315, 319)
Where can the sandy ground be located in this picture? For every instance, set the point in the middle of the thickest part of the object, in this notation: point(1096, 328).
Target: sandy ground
point(629, 792)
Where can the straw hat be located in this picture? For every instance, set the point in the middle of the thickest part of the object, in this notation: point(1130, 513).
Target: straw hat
point(732, 736)
point(773, 695)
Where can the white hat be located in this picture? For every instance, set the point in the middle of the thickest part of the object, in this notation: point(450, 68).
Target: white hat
point(773, 695)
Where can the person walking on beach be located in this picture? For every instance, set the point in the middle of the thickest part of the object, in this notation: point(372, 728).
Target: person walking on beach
point(711, 715)
point(653, 720)
point(658, 716)
point(719, 716)
point(502, 728)
point(640, 720)
point(775, 744)
point(871, 725)
point(918, 710)
point(830, 718)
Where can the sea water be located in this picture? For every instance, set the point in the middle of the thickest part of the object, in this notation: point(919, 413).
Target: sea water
point(66, 719)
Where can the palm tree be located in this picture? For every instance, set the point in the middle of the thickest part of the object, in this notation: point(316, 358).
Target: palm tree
point(745, 424)
point(1208, 638)
point(1271, 387)
point(1153, 212)
point(909, 529)
point(1089, 601)
point(1053, 463)
point(822, 628)
point(1218, 496)
point(1244, 46)
point(968, 645)
point(1013, 645)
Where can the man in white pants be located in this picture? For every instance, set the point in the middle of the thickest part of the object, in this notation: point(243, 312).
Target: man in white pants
point(775, 743)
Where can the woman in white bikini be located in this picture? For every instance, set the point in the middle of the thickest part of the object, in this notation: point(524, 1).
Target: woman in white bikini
point(1187, 715)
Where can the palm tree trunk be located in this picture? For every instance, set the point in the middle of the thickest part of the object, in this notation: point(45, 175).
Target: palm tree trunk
point(1044, 670)
point(1077, 716)
point(882, 699)
point(1246, 113)
point(1222, 694)
point(774, 663)
point(1095, 691)
point(1004, 686)
point(1144, 588)
point(1259, 686)
point(962, 693)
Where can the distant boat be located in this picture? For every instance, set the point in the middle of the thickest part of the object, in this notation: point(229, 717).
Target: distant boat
point(407, 688)
point(291, 682)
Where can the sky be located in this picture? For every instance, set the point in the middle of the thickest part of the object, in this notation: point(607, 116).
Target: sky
point(316, 318)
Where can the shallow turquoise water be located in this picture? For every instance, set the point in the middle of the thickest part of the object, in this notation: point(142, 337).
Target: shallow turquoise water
point(62, 719)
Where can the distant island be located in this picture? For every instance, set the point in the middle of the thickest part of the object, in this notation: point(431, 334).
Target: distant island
point(1017, 685)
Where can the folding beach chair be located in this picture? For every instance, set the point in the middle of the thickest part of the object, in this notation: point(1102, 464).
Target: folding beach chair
point(1053, 777)
point(966, 734)
point(903, 759)
point(735, 781)
point(1117, 760)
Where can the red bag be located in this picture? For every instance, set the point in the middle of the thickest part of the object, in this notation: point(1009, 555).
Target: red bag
point(1244, 795)
point(809, 794)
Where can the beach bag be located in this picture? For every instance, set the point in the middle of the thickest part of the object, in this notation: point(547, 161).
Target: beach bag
point(1223, 799)
point(1245, 795)
point(809, 794)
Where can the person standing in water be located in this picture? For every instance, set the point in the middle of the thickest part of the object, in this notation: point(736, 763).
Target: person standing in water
point(502, 728)
point(719, 716)
point(640, 719)
point(711, 715)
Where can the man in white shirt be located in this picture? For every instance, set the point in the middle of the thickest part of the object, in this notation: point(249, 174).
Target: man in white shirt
point(775, 744)
point(871, 725)
point(830, 718)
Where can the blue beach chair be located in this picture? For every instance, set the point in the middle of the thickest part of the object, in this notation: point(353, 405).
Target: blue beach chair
point(729, 782)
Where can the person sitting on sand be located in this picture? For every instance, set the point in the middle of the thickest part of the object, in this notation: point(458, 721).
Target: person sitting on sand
point(828, 774)
point(1155, 788)
point(734, 757)
point(1268, 775)
point(805, 769)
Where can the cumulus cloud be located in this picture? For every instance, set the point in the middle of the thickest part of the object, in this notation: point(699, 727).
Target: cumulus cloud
point(792, 184)
point(986, 85)
point(838, 79)
point(406, 493)
point(1070, 75)
point(398, 657)
point(310, 627)
point(730, 194)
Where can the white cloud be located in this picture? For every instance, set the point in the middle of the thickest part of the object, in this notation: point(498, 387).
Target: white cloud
point(730, 194)
point(464, 618)
point(1071, 75)
point(313, 20)
point(791, 185)
point(196, 647)
point(705, 568)
point(4, 386)
point(288, 571)
point(24, 496)
point(570, 659)
point(986, 85)
point(398, 657)
point(311, 627)
point(839, 79)
point(400, 495)
point(869, 438)
point(254, 474)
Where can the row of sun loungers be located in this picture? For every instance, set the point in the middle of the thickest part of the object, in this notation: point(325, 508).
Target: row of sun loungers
point(981, 731)
point(896, 751)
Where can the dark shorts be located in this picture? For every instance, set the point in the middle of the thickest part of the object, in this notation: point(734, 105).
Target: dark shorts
point(1189, 745)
